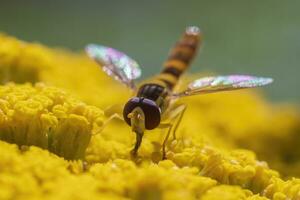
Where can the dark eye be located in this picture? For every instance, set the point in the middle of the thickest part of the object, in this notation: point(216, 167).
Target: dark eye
point(152, 114)
point(150, 109)
point(129, 106)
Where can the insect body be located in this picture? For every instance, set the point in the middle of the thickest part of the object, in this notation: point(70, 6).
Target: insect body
point(153, 105)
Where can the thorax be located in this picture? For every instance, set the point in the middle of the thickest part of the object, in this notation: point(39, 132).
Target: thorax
point(156, 93)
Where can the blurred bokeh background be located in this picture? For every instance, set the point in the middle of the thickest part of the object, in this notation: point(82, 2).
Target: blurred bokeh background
point(250, 37)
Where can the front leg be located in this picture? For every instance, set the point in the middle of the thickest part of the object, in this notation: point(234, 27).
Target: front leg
point(110, 113)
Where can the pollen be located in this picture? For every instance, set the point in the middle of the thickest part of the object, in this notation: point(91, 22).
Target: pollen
point(54, 103)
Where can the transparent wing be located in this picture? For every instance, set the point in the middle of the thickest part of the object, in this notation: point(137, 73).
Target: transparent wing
point(223, 83)
point(115, 63)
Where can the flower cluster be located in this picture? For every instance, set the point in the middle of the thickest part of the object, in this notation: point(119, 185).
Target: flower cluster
point(208, 160)
point(48, 118)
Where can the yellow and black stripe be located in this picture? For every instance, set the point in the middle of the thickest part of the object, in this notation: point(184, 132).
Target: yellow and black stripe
point(180, 57)
point(178, 61)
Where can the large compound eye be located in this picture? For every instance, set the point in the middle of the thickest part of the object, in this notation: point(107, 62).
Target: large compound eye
point(152, 114)
point(129, 106)
point(150, 109)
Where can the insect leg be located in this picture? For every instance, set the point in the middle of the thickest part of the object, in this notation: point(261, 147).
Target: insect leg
point(169, 126)
point(175, 115)
point(107, 121)
point(112, 112)
point(117, 108)
point(180, 112)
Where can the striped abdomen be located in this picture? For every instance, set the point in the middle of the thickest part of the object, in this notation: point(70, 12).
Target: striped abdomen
point(180, 57)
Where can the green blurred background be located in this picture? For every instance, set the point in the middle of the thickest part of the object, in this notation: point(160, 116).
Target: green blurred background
point(258, 37)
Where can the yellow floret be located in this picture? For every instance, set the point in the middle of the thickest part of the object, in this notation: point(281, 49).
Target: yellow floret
point(48, 118)
point(151, 182)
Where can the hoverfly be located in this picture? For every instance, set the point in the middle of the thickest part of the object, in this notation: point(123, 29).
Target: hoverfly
point(153, 104)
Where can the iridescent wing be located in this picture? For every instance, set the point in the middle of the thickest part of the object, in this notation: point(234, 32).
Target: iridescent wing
point(115, 63)
point(223, 83)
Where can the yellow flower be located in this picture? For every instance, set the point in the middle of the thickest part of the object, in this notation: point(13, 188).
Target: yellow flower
point(48, 118)
point(214, 156)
